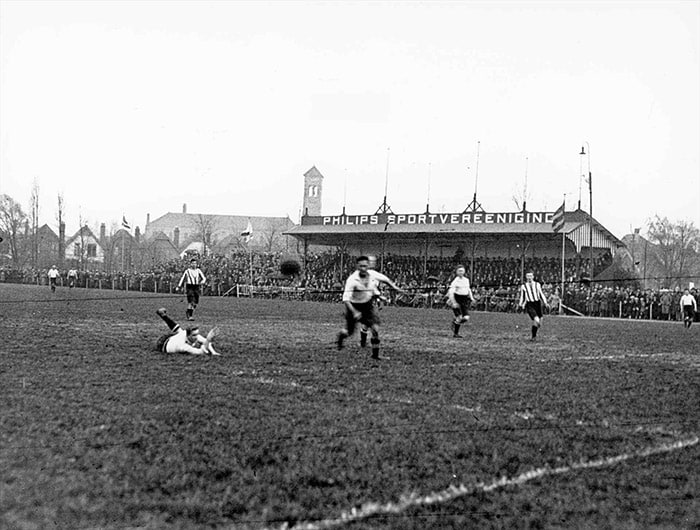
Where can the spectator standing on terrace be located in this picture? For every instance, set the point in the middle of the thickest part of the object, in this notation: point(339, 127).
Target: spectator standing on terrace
point(186, 340)
point(72, 277)
point(460, 298)
point(53, 278)
point(532, 299)
point(666, 300)
point(358, 299)
point(688, 307)
point(193, 279)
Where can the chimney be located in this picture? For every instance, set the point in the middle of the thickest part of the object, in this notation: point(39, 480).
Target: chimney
point(137, 234)
point(184, 207)
point(103, 234)
point(176, 237)
point(148, 219)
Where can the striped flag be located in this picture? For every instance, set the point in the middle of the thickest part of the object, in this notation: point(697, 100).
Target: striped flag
point(125, 223)
point(558, 218)
point(248, 233)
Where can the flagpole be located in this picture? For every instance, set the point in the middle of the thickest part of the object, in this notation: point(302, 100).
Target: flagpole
point(563, 261)
point(563, 257)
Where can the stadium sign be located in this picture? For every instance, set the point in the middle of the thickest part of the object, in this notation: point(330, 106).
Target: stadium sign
point(432, 219)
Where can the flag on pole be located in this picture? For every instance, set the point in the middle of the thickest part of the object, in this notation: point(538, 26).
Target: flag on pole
point(248, 233)
point(125, 223)
point(558, 218)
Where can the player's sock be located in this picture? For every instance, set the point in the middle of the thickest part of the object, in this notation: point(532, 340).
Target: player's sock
point(169, 321)
point(188, 313)
point(375, 348)
point(455, 329)
point(363, 338)
point(534, 331)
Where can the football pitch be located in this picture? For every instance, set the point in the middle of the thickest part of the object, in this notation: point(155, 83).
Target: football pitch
point(594, 425)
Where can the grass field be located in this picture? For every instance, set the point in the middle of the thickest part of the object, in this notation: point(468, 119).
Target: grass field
point(595, 425)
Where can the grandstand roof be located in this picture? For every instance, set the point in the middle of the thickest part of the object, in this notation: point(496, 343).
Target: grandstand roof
point(333, 230)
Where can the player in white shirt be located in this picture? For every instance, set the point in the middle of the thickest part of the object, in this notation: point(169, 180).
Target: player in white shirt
point(358, 298)
point(460, 298)
point(53, 277)
point(186, 340)
point(688, 307)
point(378, 278)
point(193, 279)
point(72, 277)
point(532, 299)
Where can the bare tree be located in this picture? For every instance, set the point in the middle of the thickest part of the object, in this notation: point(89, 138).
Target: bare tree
point(204, 231)
point(82, 242)
point(60, 215)
point(271, 235)
point(520, 197)
point(12, 217)
point(675, 244)
point(34, 222)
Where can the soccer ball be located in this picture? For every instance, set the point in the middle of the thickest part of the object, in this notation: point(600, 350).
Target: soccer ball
point(290, 267)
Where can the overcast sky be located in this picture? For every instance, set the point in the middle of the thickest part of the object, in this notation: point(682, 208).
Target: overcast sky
point(138, 107)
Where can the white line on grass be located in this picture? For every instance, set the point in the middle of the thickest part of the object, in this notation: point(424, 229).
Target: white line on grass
point(452, 492)
point(602, 357)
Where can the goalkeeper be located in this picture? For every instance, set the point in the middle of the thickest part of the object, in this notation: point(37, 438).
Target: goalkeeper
point(187, 340)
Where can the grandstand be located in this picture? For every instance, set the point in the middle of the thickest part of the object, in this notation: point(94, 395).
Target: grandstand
point(471, 236)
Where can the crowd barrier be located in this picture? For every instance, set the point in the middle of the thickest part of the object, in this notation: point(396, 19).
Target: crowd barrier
point(427, 298)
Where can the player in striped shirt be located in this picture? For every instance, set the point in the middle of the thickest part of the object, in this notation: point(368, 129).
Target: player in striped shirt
point(460, 298)
point(193, 279)
point(532, 299)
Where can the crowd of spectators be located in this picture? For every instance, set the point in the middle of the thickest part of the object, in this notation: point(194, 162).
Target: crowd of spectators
point(495, 281)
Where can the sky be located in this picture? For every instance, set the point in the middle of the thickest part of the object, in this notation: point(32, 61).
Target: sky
point(135, 108)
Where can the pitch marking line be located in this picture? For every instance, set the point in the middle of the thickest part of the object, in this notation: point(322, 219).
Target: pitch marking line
point(602, 357)
point(452, 492)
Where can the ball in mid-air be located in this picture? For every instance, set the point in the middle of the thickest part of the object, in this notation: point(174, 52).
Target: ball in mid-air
point(290, 267)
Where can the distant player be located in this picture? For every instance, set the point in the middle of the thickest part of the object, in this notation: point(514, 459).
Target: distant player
point(688, 308)
point(378, 278)
point(186, 340)
point(460, 298)
point(193, 279)
point(358, 299)
point(72, 278)
point(53, 278)
point(532, 299)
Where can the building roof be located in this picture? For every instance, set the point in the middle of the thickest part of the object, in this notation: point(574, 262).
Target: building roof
point(332, 234)
point(221, 225)
point(87, 234)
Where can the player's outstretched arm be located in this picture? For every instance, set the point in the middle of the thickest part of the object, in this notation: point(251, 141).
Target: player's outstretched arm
point(213, 332)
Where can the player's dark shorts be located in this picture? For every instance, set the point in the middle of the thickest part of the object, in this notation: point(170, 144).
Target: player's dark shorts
point(162, 341)
point(192, 293)
point(53, 281)
point(688, 312)
point(464, 303)
point(533, 309)
point(369, 316)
